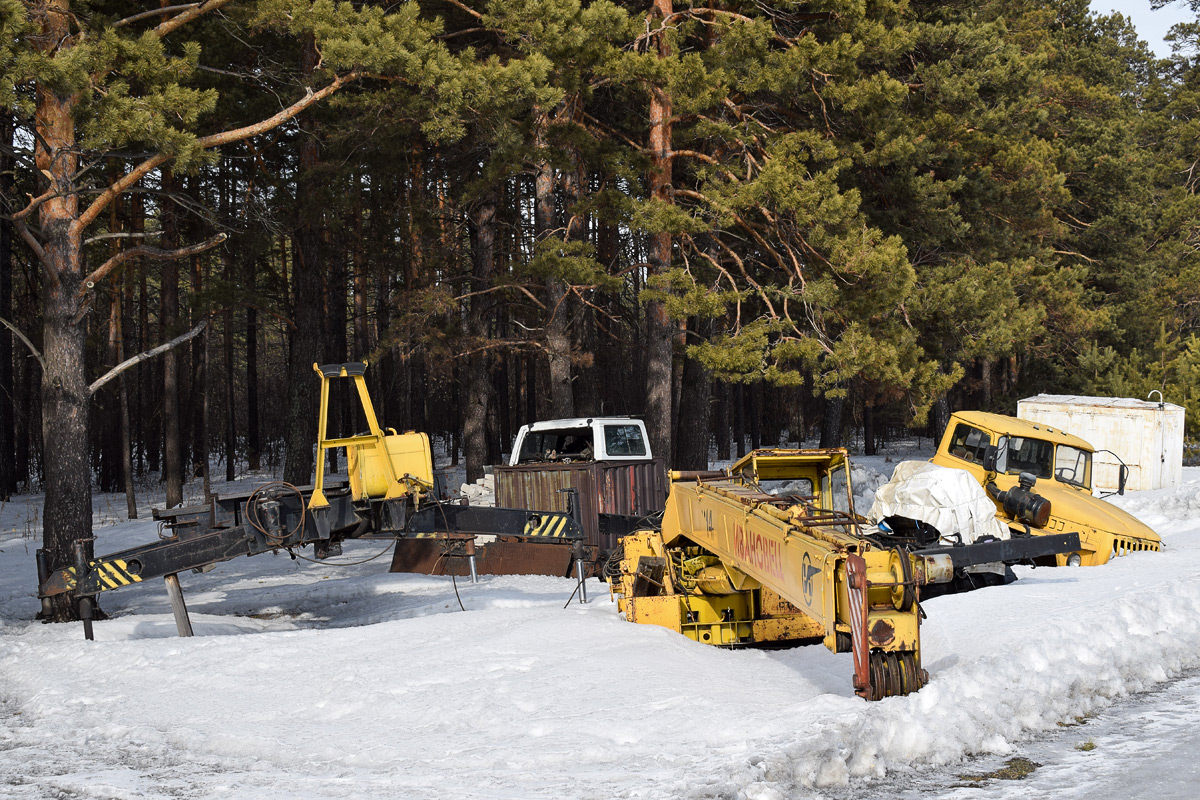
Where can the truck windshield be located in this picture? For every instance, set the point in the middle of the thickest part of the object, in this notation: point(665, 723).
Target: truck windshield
point(1073, 466)
point(555, 445)
point(1021, 454)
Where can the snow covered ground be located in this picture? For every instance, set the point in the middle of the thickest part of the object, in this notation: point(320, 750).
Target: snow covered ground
point(318, 681)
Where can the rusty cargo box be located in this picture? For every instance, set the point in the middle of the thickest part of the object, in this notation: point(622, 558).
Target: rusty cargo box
point(604, 488)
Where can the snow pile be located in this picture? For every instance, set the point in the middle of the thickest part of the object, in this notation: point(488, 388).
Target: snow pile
point(314, 680)
point(1169, 504)
point(865, 480)
point(986, 704)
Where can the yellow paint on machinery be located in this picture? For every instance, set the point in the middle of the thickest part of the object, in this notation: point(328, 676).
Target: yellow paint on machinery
point(770, 551)
point(381, 466)
point(1062, 465)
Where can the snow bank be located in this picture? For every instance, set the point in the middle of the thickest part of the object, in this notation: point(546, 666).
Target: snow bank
point(317, 681)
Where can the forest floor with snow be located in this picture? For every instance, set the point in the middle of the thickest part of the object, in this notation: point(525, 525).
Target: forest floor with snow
point(321, 681)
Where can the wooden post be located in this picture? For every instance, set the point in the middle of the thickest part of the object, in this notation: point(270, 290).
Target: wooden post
point(178, 607)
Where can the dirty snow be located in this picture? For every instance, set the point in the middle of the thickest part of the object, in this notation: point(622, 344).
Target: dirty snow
point(318, 681)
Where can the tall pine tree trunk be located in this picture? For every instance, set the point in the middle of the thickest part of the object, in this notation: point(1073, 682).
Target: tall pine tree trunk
point(475, 399)
point(831, 423)
point(230, 395)
point(721, 424)
point(659, 330)
point(168, 321)
point(558, 338)
point(691, 447)
point(126, 437)
point(8, 406)
point(739, 420)
point(869, 427)
point(67, 514)
point(939, 418)
point(306, 309)
point(200, 392)
point(253, 438)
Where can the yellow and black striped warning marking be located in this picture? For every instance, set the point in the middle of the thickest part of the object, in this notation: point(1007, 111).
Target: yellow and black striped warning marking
point(69, 579)
point(548, 526)
point(112, 574)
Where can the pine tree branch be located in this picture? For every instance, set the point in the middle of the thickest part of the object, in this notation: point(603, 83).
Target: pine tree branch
point(28, 343)
point(611, 131)
point(145, 251)
point(501, 288)
point(711, 260)
point(1077, 255)
point(129, 362)
point(310, 97)
point(124, 235)
point(179, 20)
point(156, 12)
point(207, 142)
point(31, 240)
point(117, 188)
point(34, 202)
point(464, 7)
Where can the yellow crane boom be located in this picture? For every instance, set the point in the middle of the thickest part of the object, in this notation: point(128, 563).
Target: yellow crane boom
point(770, 550)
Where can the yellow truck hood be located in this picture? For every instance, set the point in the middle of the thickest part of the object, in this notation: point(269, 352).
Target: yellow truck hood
point(1079, 509)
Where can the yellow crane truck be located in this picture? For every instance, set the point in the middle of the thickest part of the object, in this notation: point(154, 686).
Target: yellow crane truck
point(1011, 456)
point(771, 551)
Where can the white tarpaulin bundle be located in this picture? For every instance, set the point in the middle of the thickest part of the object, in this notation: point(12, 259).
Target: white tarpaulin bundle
point(950, 500)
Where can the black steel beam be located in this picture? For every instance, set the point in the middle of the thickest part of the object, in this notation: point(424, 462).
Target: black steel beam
point(1008, 551)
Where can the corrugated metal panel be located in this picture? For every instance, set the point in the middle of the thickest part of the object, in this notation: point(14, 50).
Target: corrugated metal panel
point(604, 488)
point(1147, 436)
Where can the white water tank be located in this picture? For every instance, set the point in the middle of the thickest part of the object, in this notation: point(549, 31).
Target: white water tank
point(1148, 436)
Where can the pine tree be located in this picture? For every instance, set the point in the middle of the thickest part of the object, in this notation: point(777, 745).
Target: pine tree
point(104, 78)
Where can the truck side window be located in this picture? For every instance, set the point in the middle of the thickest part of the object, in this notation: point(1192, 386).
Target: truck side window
point(624, 440)
point(968, 443)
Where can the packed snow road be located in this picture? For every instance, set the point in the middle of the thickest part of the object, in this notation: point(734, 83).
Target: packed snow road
point(1142, 747)
point(313, 681)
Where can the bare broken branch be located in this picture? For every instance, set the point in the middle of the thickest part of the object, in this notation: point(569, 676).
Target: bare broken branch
point(28, 343)
point(125, 235)
point(145, 251)
point(129, 362)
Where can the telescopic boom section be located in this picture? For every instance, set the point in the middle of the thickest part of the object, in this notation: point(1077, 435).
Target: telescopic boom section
point(771, 551)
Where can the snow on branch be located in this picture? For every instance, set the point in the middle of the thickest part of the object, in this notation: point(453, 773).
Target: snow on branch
point(129, 362)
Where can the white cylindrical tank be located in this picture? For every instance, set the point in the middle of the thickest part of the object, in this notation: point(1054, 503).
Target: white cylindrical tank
point(1147, 436)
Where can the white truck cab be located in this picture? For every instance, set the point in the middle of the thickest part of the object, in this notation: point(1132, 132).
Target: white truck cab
point(581, 439)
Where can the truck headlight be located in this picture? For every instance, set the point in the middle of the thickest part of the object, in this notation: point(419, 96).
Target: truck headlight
point(1074, 560)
